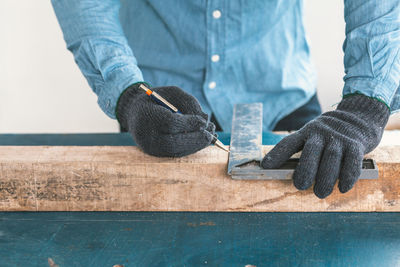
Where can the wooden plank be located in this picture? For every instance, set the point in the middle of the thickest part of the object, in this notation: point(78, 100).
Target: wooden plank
point(105, 178)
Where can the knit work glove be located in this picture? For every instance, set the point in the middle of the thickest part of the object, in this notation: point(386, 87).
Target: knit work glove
point(157, 130)
point(333, 145)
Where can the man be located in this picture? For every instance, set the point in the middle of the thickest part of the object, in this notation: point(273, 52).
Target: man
point(235, 51)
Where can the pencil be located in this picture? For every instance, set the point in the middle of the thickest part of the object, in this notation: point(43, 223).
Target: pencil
point(162, 101)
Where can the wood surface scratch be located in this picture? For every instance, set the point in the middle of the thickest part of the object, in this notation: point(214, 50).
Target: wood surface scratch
point(78, 178)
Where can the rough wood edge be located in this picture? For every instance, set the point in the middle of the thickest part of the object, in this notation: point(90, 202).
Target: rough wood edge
point(125, 179)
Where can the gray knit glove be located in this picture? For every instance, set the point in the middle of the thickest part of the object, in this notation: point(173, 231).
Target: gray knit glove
point(333, 145)
point(157, 130)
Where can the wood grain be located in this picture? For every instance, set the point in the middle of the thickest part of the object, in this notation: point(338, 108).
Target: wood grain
point(105, 178)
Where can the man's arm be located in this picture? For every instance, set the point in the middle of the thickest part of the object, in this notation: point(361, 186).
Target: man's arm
point(334, 144)
point(94, 35)
point(372, 48)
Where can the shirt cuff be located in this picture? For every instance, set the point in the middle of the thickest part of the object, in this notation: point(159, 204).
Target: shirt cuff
point(117, 81)
point(383, 91)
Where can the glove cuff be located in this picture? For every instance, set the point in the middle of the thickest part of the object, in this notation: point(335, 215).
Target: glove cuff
point(366, 108)
point(125, 101)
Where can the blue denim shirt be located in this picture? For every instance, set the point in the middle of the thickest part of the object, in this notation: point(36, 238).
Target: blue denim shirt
point(227, 51)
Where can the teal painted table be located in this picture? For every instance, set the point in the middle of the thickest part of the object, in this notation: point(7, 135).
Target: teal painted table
point(192, 239)
point(199, 239)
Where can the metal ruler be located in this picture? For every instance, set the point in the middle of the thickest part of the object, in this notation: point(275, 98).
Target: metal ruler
point(246, 149)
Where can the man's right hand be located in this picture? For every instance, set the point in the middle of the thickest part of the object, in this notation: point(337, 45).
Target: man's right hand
point(157, 130)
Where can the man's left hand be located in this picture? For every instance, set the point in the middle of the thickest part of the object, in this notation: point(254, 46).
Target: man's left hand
point(333, 145)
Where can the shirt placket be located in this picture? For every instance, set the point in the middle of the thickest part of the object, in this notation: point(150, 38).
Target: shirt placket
point(215, 45)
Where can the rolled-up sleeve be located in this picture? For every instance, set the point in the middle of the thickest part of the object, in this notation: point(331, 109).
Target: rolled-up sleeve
point(372, 49)
point(94, 35)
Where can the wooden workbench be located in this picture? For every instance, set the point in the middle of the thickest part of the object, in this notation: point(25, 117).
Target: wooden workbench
point(191, 238)
point(199, 239)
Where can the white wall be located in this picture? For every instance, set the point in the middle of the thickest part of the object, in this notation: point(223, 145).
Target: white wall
point(42, 90)
point(326, 30)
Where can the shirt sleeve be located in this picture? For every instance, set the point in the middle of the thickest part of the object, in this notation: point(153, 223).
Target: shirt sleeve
point(94, 35)
point(372, 48)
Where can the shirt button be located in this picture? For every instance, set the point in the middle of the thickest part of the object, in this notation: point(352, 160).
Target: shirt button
point(215, 58)
point(212, 85)
point(216, 14)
